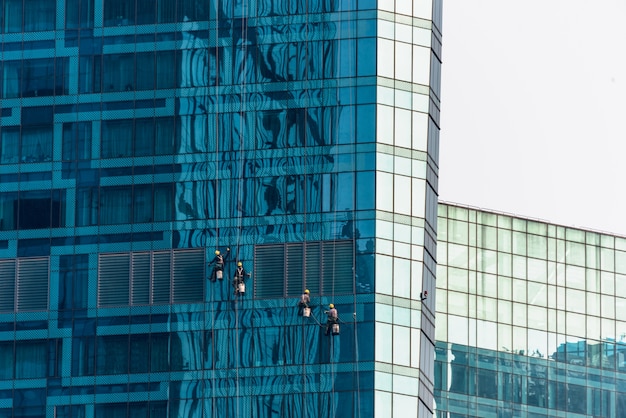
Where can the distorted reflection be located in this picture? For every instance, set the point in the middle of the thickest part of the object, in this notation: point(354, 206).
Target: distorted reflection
point(571, 379)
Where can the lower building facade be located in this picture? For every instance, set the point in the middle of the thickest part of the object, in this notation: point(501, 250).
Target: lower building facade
point(530, 318)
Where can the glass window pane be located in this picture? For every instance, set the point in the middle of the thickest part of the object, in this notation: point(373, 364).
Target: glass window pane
point(142, 204)
point(118, 72)
point(31, 359)
point(159, 353)
point(139, 353)
point(144, 137)
point(11, 81)
point(13, 16)
point(145, 71)
point(119, 12)
point(79, 14)
point(166, 11)
point(38, 78)
point(112, 355)
point(117, 138)
point(6, 360)
point(165, 70)
point(10, 145)
point(116, 205)
point(146, 12)
point(36, 144)
point(39, 15)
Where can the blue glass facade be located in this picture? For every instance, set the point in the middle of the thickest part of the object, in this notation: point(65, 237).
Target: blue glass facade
point(137, 137)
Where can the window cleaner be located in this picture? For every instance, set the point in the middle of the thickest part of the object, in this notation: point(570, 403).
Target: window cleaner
point(238, 279)
point(303, 304)
point(332, 320)
point(218, 269)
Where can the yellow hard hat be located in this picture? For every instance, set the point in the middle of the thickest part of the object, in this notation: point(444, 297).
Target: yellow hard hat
point(239, 264)
point(307, 291)
point(217, 252)
point(331, 306)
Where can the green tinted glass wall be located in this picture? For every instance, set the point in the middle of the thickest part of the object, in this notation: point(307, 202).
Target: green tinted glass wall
point(528, 319)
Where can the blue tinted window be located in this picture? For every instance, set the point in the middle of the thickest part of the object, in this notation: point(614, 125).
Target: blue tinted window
point(83, 357)
point(79, 14)
point(118, 72)
point(6, 360)
point(73, 281)
point(112, 354)
point(115, 205)
point(32, 210)
point(35, 77)
point(29, 16)
point(366, 123)
point(366, 66)
point(10, 145)
point(31, 359)
point(76, 141)
point(119, 12)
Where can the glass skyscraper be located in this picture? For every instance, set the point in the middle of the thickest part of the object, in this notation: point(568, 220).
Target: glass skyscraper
point(529, 318)
point(140, 137)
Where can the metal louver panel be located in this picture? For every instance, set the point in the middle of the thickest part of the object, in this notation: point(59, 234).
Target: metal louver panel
point(161, 273)
point(140, 279)
point(7, 284)
point(337, 262)
point(294, 257)
point(312, 267)
point(188, 276)
point(32, 284)
point(113, 279)
point(269, 271)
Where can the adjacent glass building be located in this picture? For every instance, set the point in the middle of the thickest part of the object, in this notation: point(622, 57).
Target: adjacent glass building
point(529, 318)
point(137, 137)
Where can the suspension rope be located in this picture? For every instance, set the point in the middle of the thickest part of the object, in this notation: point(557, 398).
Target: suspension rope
point(353, 232)
point(236, 356)
point(242, 114)
point(215, 202)
point(305, 188)
point(335, 144)
point(356, 366)
point(243, 53)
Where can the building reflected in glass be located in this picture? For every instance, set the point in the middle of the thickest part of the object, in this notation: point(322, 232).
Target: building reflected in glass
point(139, 137)
point(528, 318)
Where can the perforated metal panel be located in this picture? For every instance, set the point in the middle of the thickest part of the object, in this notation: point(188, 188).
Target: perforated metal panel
point(140, 285)
point(113, 279)
point(313, 265)
point(7, 284)
point(269, 270)
point(143, 278)
point(161, 273)
point(32, 284)
point(188, 276)
point(294, 266)
point(324, 267)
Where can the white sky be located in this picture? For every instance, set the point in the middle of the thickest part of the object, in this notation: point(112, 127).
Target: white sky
point(533, 109)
